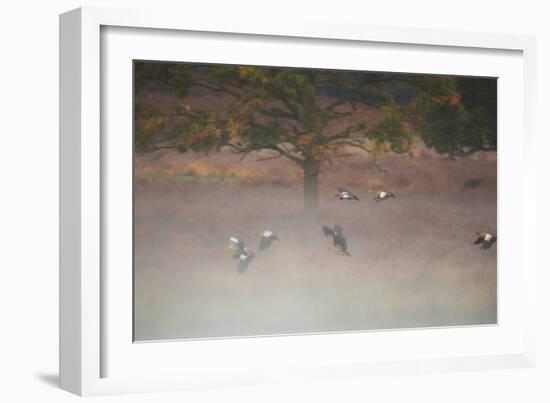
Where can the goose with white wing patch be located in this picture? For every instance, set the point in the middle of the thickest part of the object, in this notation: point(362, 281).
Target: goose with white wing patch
point(235, 247)
point(381, 195)
point(267, 239)
point(335, 240)
point(245, 258)
point(345, 194)
point(485, 240)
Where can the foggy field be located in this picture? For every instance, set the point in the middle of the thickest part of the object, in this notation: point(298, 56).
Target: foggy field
point(412, 260)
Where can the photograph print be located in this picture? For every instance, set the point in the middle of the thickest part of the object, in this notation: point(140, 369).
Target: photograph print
point(280, 200)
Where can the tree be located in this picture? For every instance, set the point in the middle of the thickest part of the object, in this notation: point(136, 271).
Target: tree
point(309, 116)
point(462, 122)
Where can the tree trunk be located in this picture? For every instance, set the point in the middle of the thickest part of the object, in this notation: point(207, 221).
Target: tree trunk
point(311, 188)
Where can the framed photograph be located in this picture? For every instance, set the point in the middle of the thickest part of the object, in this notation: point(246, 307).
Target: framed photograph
point(243, 203)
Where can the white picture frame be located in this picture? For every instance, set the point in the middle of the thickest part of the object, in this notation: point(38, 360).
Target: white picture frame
point(89, 338)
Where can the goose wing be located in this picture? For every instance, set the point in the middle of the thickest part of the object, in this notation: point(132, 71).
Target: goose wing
point(346, 194)
point(244, 261)
point(487, 244)
point(342, 241)
point(265, 242)
point(340, 245)
point(479, 239)
point(235, 246)
point(329, 232)
point(337, 241)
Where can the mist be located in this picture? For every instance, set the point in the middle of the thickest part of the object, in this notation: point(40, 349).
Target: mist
point(412, 260)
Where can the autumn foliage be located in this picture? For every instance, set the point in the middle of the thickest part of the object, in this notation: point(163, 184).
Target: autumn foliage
point(311, 116)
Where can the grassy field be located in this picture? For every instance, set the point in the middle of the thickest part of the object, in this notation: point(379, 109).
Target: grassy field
point(412, 260)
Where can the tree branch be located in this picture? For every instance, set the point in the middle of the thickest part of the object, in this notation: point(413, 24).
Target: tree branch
point(345, 133)
point(257, 147)
point(179, 114)
point(275, 113)
point(271, 158)
point(351, 143)
point(362, 147)
point(287, 154)
point(214, 88)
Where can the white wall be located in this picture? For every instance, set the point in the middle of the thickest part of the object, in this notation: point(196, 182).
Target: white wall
point(28, 198)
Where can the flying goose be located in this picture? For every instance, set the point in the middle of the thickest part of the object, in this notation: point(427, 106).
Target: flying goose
point(381, 195)
point(244, 260)
point(335, 240)
point(235, 247)
point(345, 194)
point(266, 239)
point(485, 240)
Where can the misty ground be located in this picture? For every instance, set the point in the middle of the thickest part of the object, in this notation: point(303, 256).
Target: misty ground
point(413, 263)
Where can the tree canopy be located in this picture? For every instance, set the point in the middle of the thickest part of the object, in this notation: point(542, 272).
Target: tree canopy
point(311, 116)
